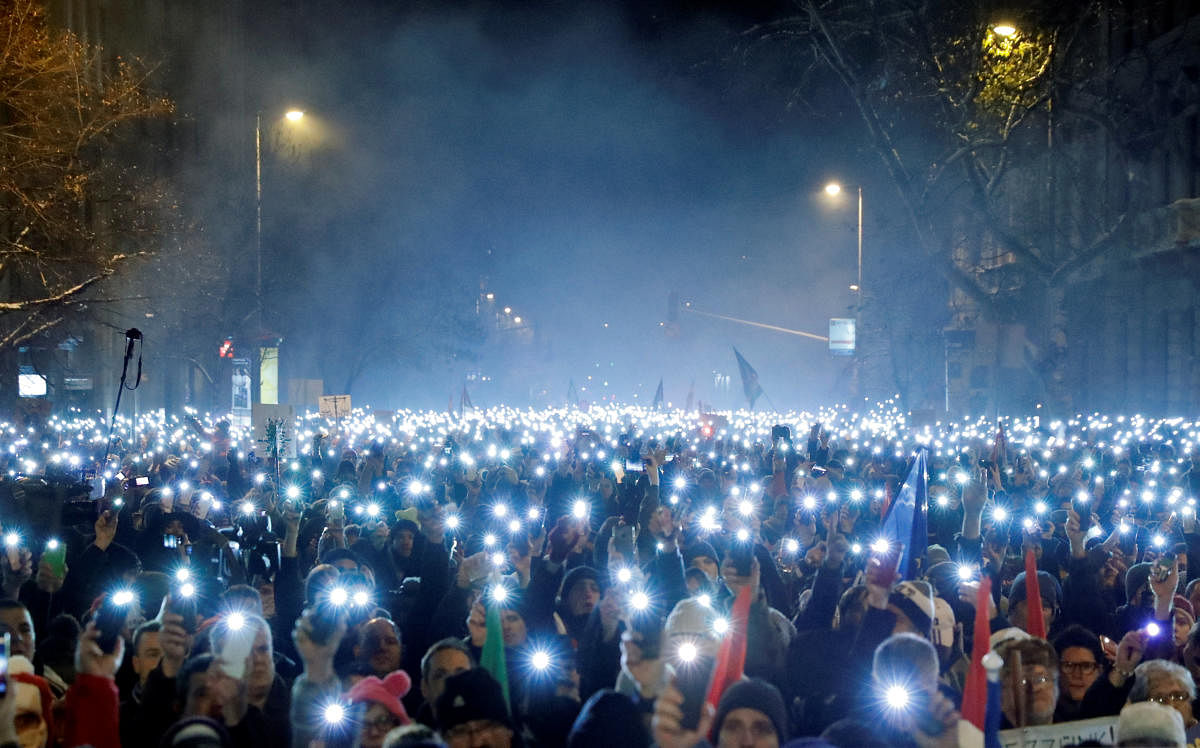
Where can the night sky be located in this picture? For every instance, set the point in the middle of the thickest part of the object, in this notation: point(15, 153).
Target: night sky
point(582, 160)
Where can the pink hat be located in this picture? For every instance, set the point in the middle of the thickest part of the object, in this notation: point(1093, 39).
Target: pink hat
point(387, 693)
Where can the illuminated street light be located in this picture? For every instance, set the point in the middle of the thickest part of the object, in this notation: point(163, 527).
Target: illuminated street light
point(294, 115)
point(1004, 29)
point(833, 189)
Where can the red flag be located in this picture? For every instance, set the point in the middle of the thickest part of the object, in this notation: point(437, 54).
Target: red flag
point(731, 658)
point(1000, 448)
point(975, 695)
point(1035, 625)
point(887, 500)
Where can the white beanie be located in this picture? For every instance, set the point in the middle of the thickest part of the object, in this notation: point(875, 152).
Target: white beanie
point(1147, 721)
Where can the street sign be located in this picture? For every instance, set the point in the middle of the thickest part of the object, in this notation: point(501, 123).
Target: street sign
point(841, 336)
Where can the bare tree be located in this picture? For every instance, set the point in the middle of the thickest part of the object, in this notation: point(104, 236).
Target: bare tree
point(1002, 143)
point(75, 208)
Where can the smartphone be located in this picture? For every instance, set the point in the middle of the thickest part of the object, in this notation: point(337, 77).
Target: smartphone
point(183, 605)
point(634, 466)
point(1163, 566)
point(141, 481)
point(110, 618)
point(170, 541)
point(56, 556)
point(693, 681)
point(623, 541)
point(1085, 514)
point(882, 567)
point(741, 554)
point(650, 625)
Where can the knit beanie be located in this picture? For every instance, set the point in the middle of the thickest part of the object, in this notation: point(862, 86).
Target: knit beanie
point(386, 693)
point(753, 694)
point(1135, 578)
point(574, 577)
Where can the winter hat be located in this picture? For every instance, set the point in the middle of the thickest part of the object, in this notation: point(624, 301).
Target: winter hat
point(1149, 723)
point(574, 577)
point(699, 548)
point(471, 695)
point(1136, 577)
point(1010, 634)
point(20, 670)
point(197, 732)
point(1183, 603)
point(937, 554)
point(607, 719)
point(944, 578)
point(915, 600)
point(1047, 586)
point(386, 693)
point(753, 694)
point(693, 620)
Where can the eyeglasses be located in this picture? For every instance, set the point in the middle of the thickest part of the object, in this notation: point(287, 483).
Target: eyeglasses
point(1036, 680)
point(1175, 697)
point(1080, 668)
point(380, 724)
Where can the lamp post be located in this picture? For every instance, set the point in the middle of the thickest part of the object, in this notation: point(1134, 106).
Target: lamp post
point(833, 189)
point(292, 115)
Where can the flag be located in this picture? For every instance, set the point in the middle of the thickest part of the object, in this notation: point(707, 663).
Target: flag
point(750, 384)
point(572, 395)
point(658, 396)
point(731, 657)
point(450, 405)
point(974, 702)
point(464, 401)
point(1035, 623)
point(492, 658)
point(1000, 448)
point(690, 397)
point(991, 730)
point(907, 519)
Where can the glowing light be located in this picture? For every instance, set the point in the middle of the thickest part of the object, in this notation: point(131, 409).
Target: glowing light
point(1153, 629)
point(294, 115)
point(235, 621)
point(687, 652)
point(833, 189)
point(640, 600)
point(791, 545)
point(540, 660)
point(720, 625)
point(896, 697)
point(338, 596)
point(580, 509)
point(880, 545)
point(333, 714)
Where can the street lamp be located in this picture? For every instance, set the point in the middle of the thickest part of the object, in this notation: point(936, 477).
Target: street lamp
point(833, 189)
point(293, 116)
point(1004, 29)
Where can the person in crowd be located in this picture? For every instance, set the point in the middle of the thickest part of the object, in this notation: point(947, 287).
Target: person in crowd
point(517, 565)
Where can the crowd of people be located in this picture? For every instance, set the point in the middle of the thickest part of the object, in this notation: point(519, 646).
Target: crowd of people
point(616, 576)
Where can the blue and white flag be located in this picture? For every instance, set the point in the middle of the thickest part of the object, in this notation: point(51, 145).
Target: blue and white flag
point(907, 519)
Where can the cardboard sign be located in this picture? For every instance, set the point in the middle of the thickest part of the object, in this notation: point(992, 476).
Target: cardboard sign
point(334, 406)
point(1102, 729)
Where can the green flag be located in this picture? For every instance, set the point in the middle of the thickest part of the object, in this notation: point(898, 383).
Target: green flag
point(492, 658)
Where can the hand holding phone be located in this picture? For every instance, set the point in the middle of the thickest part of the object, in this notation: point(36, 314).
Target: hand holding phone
point(883, 565)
